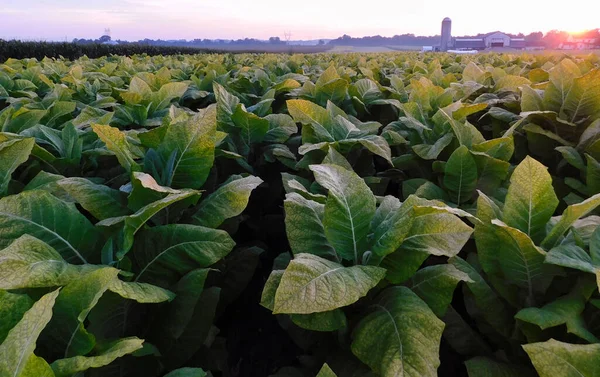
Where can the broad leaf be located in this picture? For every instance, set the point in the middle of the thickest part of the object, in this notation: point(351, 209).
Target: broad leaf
point(12, 154)
point(132, 223)
point(226, 202)
point(311, 284)
point(530, 201)
point(116, 142)
point(435, 285)
point(460, 176)
point(164, 254)
point(401, 337)
point(16, 352)
point(73, 365)
point(99, 200)
point(193, 143)
point(554, 358)
point(391, 224)
point(349, 209)
point(66, 329)
point(31, 263)
point(13, 306)
point(564, 311)
point(304, 226)
point(569, 216)
point(51, 220)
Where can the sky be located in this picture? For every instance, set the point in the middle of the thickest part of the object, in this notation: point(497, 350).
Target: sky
point(304, 19)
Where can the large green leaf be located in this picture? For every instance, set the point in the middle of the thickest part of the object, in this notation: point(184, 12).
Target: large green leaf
point(31, 263)
point(304, 226)
point(572, 256)
point(180, 311)
point(226, 202)
point(435, 285)
point(583, 100)
point(251, 128)
point(391, 224)
point(311, 284)
point(99, 200)
point(460, 176)
point(145, 190)
point(563, 311)
point(401, 337)
point(322, 321)
point(66, 330)
point(12, 308)
point(226, 104)
point(16, 352)
point(23, 119)
point(167, 93)
point(308, 113)
point(440, 234)
point(530, 201)
point(12, 154)
point(193, 143)
point(196, 332)
point(349, 210)
point(520, 260)
point(554, 358)
point(569, 216)
point(493, 309)
point(562, 77)
point(432, 151)
point(267, 298)
point(163, 254)
point(531, 99)
point(132, 223)
point(73, 365)
point(141, 292)
point(51, 220)
point(116, 142)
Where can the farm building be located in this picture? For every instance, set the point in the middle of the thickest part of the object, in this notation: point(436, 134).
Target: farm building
point(490, 40)
point(573, 43)
point(469, 43)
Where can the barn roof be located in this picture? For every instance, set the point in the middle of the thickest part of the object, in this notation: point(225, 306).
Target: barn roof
point(469, 43)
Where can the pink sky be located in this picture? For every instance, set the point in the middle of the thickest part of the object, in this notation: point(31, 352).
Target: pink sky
point(306, 19)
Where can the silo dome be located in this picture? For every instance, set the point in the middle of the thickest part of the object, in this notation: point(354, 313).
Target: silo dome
point(447, 19)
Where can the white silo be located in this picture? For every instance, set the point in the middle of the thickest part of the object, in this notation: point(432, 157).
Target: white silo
point(446, 40)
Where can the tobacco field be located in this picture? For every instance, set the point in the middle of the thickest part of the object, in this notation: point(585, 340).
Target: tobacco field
point(357, 215)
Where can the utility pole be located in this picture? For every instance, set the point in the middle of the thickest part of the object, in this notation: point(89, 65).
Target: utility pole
point(288, 35)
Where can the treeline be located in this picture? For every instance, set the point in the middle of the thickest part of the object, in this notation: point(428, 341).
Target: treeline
point(550, 39)
point(378, 40)
point(197, 43)
point(71, 51)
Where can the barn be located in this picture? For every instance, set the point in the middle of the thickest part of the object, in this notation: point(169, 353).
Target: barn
point(495, 39)
point(469, 43)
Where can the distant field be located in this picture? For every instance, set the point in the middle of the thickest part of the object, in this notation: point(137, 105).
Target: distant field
point(374, 48)
point(274, 48)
